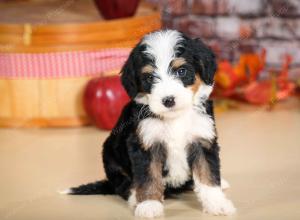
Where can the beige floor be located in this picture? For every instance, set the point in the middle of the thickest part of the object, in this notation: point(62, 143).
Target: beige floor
point(260, 158)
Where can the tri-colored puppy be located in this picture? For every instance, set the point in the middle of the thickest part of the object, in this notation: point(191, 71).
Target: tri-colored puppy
point(165, 140)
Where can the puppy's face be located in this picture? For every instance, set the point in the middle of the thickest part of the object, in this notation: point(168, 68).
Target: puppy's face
point(169, 72)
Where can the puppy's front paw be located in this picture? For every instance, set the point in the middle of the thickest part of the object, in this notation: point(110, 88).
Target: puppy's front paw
point(219, 206)
point(149, 209)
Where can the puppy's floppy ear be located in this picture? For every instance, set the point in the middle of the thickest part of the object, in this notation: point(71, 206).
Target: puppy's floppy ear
point(129, 75)
point(204, 61)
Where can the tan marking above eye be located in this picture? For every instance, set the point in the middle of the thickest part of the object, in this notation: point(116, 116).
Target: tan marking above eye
point(148, 69)
point(178, 62)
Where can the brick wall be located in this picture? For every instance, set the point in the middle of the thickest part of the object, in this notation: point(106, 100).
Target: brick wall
point(235, 26)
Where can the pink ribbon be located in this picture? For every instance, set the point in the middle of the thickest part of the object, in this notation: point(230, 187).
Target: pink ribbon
point(61, 64)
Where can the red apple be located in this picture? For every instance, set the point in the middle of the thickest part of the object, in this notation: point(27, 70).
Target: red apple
point(111, 9)
point(104, 99)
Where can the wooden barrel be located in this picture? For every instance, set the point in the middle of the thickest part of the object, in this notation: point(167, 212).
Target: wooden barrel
point(44, 66)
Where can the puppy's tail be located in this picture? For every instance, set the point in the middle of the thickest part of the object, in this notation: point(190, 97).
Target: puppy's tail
point(103, 187)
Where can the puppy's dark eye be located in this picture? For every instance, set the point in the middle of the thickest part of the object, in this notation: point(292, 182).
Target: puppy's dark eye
point(181, 72)
point(149, 78)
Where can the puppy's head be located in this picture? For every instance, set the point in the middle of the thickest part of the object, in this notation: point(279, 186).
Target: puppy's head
point(169, 72)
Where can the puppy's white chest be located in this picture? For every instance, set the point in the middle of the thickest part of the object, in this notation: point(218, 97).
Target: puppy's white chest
point(176, 134)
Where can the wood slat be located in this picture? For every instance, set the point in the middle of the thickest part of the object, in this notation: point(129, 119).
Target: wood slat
point(49, 29)
point(114, 35)
point(34, 100)
point(43, 102)
point(104, 36)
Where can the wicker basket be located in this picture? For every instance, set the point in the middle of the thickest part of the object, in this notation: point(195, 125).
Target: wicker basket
point(33, 95)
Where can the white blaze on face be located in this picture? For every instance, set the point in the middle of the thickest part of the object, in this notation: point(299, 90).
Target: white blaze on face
point(162, 47)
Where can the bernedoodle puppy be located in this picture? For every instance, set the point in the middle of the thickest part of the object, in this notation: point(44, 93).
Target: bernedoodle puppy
point(165, 141)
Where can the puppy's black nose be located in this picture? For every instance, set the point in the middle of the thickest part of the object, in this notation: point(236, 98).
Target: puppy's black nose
point(168, 101)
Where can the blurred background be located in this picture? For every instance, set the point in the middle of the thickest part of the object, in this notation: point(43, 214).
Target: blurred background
point(60, 95)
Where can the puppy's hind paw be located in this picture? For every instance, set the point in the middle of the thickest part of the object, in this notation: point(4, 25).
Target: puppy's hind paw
point(224, 184)
point(149, 209)
point(66, 191)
